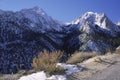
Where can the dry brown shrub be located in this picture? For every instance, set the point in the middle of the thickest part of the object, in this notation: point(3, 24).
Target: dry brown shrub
point(78, 57)
point(46, 61)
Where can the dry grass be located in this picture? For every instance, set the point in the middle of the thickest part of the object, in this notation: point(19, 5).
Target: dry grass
point(47, 61)
point(78, 57)
point(12, 76)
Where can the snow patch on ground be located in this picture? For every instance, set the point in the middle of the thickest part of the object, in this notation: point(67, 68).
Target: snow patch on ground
point(42, 75)
point(70, 68)
point(57, 77)
point(35, 76)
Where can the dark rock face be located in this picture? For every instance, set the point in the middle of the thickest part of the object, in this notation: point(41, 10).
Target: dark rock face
point(23, 34)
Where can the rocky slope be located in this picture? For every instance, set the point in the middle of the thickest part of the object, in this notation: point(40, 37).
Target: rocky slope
point(24, 33)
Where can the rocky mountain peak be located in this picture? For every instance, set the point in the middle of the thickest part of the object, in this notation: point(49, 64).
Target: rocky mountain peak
point(88, 16)
point(95, 32)
point(93, 19)
point(34, 10)
point(118, 23)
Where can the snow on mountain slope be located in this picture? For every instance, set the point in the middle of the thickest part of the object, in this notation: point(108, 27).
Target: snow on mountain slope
point(93, 32)
point(100, 20)
point(118, 24)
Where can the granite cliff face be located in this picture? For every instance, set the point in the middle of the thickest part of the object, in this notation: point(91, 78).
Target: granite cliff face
point(24, 33)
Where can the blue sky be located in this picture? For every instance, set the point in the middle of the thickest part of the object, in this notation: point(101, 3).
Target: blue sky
point(67, 10)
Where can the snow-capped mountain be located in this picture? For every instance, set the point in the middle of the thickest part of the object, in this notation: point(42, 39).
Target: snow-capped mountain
point(118, 23)
point(94, 19)
point(24, 33)
point(93, 32)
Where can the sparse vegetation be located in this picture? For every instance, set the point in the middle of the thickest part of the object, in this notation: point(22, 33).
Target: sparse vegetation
point(78, 57)
point(46, 61)
point(12, 76)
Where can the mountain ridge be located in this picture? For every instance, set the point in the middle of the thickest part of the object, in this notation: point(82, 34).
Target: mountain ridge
point(25, 33)
point(92, 30)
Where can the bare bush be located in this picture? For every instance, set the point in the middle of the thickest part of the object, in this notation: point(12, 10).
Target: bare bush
point(46, 61)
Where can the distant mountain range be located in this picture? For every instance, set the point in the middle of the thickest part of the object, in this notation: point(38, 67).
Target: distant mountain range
point(25, 33)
